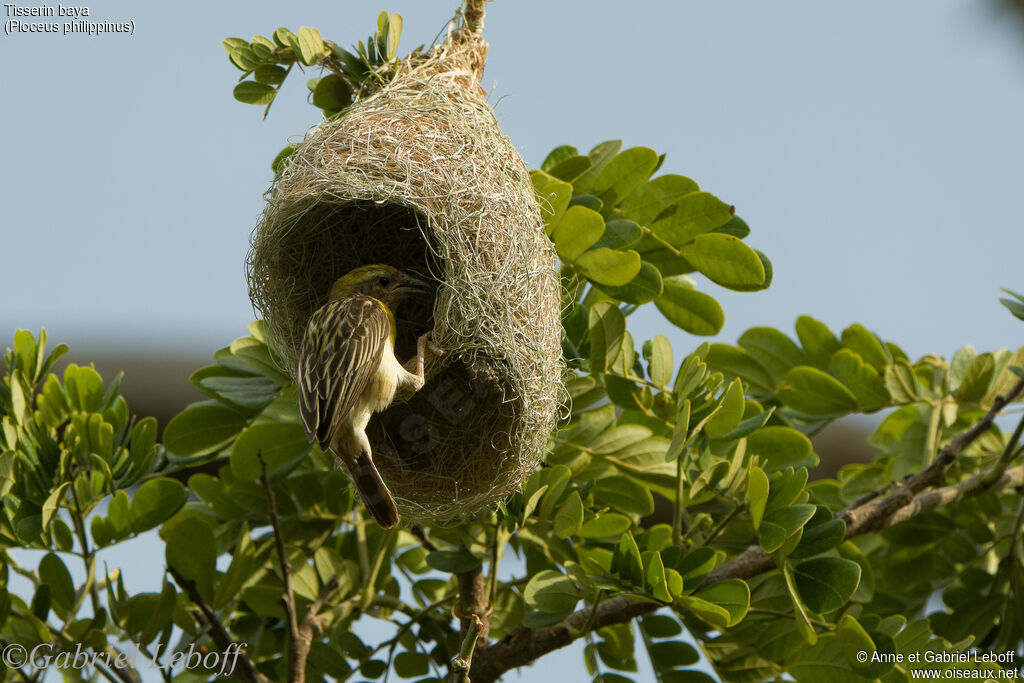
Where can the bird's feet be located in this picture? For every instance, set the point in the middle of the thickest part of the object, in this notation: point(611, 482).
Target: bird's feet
point(423, 344)
point(426, 340)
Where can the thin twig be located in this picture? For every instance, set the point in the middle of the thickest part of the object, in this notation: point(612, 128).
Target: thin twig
point(417, 531)
point(296, 670)
point(462, 663)
point(218, 634)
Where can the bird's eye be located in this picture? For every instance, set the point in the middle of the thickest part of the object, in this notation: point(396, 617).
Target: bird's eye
point(384, 281)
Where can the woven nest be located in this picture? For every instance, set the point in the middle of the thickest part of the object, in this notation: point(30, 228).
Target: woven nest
point(419, 176)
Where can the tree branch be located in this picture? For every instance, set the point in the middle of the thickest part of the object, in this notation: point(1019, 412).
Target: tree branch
point(218, 634)
point(296, 653)
point(300, 634)
point(462, 663)
point(472, 604)
point(869, 514)
point(473, 13)
point(524, 645)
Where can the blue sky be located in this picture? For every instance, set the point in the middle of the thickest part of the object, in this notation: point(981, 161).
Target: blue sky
point(873, 147)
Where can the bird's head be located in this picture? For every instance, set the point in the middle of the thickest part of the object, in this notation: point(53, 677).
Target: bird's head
point(383, 282)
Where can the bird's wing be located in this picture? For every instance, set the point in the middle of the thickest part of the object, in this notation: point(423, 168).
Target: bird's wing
point(340, 352)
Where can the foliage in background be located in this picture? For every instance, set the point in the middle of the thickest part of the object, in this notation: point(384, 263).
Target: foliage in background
point(719, 436)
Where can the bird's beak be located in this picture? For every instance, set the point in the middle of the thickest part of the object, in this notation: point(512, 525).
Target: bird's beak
point(412, 285)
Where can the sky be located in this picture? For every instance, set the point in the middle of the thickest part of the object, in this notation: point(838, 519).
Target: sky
point(874, 148)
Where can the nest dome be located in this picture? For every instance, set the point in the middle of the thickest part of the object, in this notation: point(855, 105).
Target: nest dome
point(419, 176)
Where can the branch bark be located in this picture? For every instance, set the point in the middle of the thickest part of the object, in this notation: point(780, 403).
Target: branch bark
point(473, 13)
point(472, 605)
point(872, 513)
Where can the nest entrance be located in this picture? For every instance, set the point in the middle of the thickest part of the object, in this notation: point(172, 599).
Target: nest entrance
point(323, 245)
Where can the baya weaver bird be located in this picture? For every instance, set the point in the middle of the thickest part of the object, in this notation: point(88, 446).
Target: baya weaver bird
point(348, 371)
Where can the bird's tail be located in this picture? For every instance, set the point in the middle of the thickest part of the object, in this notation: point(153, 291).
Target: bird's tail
point(374, 492)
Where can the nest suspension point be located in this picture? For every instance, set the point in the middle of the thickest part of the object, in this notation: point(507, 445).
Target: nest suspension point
point(419, 176)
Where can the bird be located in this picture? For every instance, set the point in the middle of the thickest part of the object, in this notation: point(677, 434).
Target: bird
point(347, 370)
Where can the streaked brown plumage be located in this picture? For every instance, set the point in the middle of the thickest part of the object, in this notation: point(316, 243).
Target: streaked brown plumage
point(348, 371)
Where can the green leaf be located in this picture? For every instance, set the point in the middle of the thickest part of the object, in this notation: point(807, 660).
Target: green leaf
point(737, 362)
point(757, 494)
point(308, 45)
point(854, 641)
point(732, 595)
point(662, 626)
point(253, 92)
point(85, 388)
point(649, 200)
point(54, 574)
point(52, 504)
point(244, 57)
point(976, 379)
point(577, 230)
point(394, 34)
point(626, 561)
point(818, 341)
point(569, 517)
point(230, 44)
point(191, 550)
point(694, 214)
point(725, 260)
point(642, 289)
point(412, 664)
point(552, 592)
point(557, 156)
point(1007, 378)
point(820, 538)
point(786, 487)
point(730, 412)
point(332, 93)
point(609, 267)
point(624, 173)
point(250, 393)
point(860, 340)
point(603, 526)
point(654, 577)
point(282, 446)
point(270, 74)
point(778, 526)
point(623, 494)
point(1016, 307)
point(660, 360)
point(279, 162)
point(202, 429)
point(773, 351)
point(599, 158)
point(861, 379)
point(154, 502)
point(749, 425)
point(811, 391)
point(572, 168)
point(826, 583)
point(689, 309)
point(619, 234)
point(452, 561)
point(716, 616)
point(736, 227)
point(607, 330)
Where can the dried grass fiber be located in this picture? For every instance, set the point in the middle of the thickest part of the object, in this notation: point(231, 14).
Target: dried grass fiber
point(418, 175)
